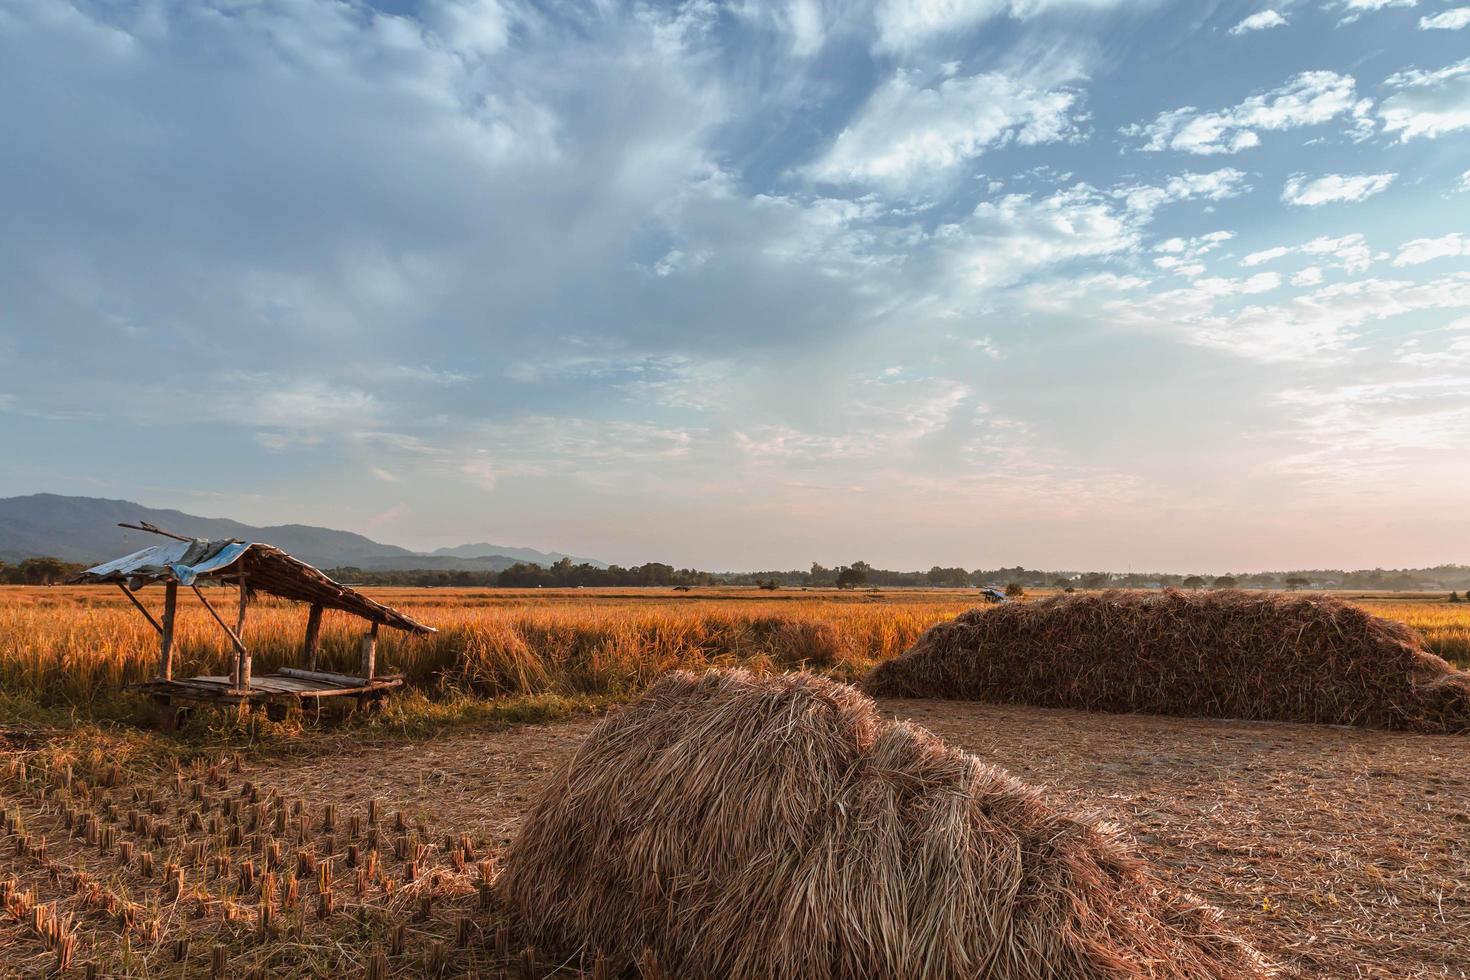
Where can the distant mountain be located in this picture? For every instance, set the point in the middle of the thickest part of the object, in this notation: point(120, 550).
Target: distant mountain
point(543, 558)
point(84, 529)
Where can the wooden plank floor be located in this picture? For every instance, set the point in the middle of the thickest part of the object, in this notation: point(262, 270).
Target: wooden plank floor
point(265, 686)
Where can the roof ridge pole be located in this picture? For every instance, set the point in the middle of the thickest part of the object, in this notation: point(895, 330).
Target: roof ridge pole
point(145, 526)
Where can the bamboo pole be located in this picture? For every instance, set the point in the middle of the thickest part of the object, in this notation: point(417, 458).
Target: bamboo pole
point(141, 608)
point(313, 633)
point(166, 632)
point(242, 673)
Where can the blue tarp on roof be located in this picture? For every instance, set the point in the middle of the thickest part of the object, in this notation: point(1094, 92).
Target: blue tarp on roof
point(184, 561)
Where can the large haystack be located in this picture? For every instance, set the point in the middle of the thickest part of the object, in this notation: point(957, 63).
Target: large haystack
point(744, 827)
point(1214, 654)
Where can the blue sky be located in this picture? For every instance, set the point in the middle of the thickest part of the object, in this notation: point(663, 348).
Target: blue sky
point(1069, 283)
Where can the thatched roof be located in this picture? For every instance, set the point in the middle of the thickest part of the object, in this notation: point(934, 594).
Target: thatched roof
point(265, 569)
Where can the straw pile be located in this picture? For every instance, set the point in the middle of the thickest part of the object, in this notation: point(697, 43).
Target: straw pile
point(733, 826)
point(1225, 654)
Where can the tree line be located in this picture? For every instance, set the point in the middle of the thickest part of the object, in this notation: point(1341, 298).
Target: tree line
point(565, 574)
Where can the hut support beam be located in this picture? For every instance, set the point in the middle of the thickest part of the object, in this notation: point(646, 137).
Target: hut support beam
point(313, 634)
point(166, 631)
point(141, 608)
point(370, 653)
point(242, 652)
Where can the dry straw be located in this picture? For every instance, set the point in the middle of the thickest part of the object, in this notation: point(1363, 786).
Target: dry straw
point(1225, 654)
point(735, 826)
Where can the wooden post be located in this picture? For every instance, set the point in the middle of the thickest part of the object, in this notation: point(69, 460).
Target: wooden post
point(166, 644)
point(240, 619)
point(313, 631)
point(370, 653)
point(242, 656)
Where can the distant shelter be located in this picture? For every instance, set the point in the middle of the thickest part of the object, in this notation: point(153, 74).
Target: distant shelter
point(252, 568)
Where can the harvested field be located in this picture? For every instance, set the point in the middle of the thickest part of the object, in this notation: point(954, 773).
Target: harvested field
point(1340, 853)
point(755, 827)
point(1213, 654)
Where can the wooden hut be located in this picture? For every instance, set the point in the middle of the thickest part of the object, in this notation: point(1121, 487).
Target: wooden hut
point(252, 568)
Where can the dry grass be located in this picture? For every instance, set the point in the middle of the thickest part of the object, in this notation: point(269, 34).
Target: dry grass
point(736, 826)
point(1225, 654)
point(77, 647)
point(74, 648)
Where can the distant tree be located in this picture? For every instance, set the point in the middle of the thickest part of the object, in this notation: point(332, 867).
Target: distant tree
point(1014, 590)
point(1061, 583)
point(1225, 582)
point(1263, 580)
point(770, 585)
point(42, 571)
point(1297, 582)
point(851, 576)
point(1193, 582)
point(1454, 597)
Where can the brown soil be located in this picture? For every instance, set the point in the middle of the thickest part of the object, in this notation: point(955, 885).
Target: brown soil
point(1339, 852)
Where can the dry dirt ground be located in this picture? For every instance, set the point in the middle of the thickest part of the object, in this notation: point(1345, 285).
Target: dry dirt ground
point(1341, 853)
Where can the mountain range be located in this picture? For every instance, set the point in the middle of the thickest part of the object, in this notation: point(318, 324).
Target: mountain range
point(84, 529)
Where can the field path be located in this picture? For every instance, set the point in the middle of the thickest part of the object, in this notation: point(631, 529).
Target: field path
point(1342, 853)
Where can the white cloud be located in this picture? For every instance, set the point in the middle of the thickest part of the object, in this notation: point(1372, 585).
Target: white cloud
point(1333, 188)
point(1351, 251)
point(911, 134)
point(1427, 103)
point(1448, 20)
point(1463, 186)
point(1263, 20)
point(1455, 354)
point(1006, 239)
point(1357, 8)
point(1422, 250)
point(1213, 186)
point(1264, 255)
point(1310, 276)
point(905, 24)
point(1307, 99)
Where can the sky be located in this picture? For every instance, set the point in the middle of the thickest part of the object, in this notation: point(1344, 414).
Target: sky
point(1065, 283)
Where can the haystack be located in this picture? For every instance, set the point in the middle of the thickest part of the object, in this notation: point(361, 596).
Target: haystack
point(1225, 654)
point(743, 827)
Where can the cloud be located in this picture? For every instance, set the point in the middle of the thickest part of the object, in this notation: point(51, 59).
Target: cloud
point(1427, 103)
point(1263, 20)
point(1463, 185)
point(1333, 188)
point(1307, 99)
point(1357, 8)
point(1004, 240)
point(904, 24)
point(1447, 20)
point(1214, 186)
point(1351, 252)
point(1264, 255)
point(912, 133)
point(1422, 250)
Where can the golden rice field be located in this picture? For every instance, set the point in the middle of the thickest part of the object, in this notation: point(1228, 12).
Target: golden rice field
point(75, 648)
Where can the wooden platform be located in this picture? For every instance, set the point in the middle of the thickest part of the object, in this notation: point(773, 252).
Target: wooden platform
point(288, 684)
